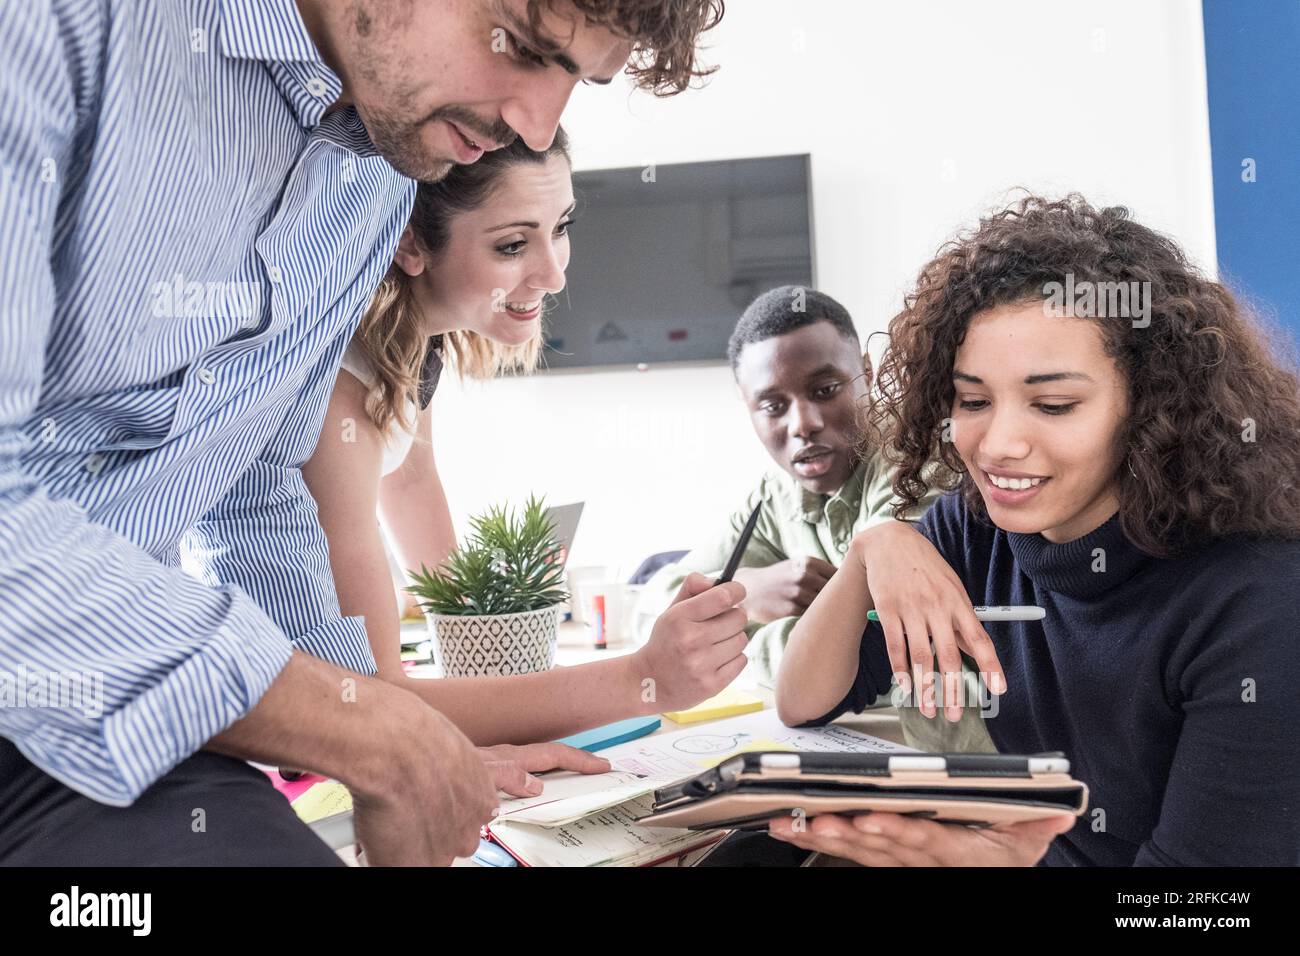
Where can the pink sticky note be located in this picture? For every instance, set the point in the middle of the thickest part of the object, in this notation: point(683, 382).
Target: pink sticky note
point(293, 789)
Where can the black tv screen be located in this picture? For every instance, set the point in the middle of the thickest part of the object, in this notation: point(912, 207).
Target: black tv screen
point(665, 258)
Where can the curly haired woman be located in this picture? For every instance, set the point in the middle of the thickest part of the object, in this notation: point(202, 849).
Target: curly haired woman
point(1135, 475)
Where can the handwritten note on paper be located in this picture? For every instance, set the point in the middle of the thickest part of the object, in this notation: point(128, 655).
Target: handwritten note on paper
point(607, 838)
point(323, 800)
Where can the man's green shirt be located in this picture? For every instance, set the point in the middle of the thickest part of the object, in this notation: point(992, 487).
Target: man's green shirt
point(794, 522)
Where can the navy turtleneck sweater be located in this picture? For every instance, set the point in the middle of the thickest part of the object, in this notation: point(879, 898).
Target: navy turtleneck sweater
point(1172, 685)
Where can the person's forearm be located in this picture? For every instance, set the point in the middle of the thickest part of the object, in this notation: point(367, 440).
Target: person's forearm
point(320, 717)
point(822, 654)
point(422, 536)
point(529, 708)
point(414, 509)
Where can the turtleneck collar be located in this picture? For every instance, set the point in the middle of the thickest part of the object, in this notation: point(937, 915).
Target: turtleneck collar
point(1083, 568)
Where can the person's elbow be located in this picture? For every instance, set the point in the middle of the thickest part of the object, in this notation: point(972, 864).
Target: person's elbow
point(788, 710)
point(793, 683)
point(793, 707)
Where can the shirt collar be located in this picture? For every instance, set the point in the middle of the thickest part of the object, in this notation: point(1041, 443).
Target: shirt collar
point(265, 30)
point(273, 32)
point(813, 507)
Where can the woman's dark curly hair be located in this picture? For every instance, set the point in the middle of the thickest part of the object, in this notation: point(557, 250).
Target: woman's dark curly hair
point(665, 33)
point(1213, 426)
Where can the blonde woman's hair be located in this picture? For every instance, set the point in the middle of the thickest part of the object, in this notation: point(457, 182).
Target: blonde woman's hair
point(391, 332)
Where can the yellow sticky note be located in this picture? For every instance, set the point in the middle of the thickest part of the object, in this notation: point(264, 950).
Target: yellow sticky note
point(323, 800)
point(727, 704)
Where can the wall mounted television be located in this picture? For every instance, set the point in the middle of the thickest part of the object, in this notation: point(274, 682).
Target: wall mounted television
point(665, 258)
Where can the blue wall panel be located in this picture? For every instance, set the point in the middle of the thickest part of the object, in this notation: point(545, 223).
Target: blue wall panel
point(1252, 56)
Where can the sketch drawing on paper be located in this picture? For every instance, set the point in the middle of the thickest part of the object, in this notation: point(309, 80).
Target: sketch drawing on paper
point(708, 743)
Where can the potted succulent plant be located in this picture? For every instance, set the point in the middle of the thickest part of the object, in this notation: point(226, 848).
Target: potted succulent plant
point(493, 604)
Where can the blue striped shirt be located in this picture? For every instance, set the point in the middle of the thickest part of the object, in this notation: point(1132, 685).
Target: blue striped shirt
point(188, 244)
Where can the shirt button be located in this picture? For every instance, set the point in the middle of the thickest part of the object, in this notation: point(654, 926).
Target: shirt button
point(316, 86)
point(205, 376)
point(93, 463)
point(842, 546)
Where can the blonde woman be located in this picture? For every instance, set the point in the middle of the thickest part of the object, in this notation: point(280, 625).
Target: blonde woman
point(484, 247)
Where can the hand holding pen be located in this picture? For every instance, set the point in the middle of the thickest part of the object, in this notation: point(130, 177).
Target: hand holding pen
point(697, 645)
point(738, 552)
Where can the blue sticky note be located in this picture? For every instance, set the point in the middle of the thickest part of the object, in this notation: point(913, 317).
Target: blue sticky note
point(489, 854)
point(616, 733)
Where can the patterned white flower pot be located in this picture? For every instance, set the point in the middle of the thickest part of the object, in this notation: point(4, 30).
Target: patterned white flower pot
point(495, 644)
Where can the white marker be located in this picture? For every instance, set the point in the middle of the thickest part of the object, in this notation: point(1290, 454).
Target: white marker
point(1004, 612)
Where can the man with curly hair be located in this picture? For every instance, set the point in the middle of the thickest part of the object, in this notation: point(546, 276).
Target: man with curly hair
point(199, 199)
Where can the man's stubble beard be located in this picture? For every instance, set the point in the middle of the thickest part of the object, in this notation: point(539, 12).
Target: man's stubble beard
point(400, 144)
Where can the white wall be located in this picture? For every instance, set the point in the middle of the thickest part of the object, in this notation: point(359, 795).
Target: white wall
point(918, 115)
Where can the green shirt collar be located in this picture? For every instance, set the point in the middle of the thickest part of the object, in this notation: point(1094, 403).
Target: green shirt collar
point(813, 507)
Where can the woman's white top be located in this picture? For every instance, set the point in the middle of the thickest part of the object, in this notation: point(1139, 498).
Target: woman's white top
point(399, 440)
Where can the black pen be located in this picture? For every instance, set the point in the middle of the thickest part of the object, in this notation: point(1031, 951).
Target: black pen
point(734, 561)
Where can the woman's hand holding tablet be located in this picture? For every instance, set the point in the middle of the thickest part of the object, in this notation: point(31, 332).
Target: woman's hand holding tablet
point(889, 839)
